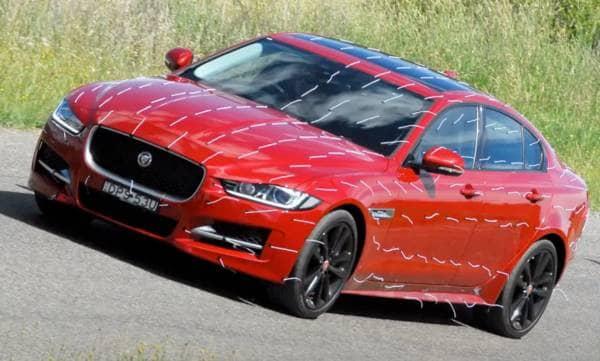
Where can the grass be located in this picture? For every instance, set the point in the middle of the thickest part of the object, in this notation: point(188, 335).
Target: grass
point(511, 49)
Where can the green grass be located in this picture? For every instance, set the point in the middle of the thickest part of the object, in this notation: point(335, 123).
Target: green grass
point(516, 50)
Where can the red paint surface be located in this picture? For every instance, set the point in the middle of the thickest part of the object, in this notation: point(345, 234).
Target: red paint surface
point(452, 237)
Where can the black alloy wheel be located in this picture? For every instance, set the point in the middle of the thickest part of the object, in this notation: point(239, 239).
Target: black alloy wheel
point(329, 265)
point(527, 292)
point(62, 213)
point(532, 291)
point(323, 267)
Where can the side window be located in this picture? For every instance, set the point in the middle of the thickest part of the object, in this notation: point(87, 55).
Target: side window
point(454, 129)
point(502, 143)
point(534, 155)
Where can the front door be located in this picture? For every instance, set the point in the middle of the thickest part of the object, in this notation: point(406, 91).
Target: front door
point(434, 215)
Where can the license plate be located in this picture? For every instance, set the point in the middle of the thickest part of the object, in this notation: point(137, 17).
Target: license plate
point(130, 196)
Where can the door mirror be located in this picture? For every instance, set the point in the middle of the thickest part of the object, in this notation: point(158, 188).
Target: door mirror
point(443, 160)
point(178, 58)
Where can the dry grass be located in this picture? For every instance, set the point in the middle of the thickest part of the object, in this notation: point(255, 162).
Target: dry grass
point(513, 52)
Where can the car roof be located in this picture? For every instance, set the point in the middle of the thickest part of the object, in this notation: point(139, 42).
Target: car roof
point(417, 72)
point(452, 90)
point(431, 79)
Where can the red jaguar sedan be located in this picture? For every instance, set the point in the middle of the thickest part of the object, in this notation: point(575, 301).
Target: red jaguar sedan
point(323, 167)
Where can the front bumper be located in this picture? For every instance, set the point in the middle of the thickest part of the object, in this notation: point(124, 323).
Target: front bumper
point(287, 230)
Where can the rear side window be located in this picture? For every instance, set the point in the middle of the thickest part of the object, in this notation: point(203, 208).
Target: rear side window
point(502, 143)
point(534, 155)
point(455, 129)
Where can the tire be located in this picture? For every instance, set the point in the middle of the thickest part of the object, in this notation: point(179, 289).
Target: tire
point(62, 213)
point(323, 267)
point(527, 290)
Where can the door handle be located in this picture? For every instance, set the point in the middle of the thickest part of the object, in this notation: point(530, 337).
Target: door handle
point(469, 192)
point(534, 196)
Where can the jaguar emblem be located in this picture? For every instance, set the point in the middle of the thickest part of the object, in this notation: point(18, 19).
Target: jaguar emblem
point(144, 159)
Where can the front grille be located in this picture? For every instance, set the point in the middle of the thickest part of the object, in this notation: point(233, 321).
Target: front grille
point(168, 173)
point(136, 217)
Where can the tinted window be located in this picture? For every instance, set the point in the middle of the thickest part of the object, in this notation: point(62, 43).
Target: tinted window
point(454, 129)
point(534, 156)
point(502, 142)
point(328, 95)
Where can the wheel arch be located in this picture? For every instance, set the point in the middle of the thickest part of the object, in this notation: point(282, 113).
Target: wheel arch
point(361, 227)
point(561, 251)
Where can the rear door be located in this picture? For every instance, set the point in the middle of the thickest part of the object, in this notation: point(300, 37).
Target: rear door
point(515, 195)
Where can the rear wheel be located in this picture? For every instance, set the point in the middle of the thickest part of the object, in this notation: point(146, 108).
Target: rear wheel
point(527, 292)
point(322, 268)
point(62, 213)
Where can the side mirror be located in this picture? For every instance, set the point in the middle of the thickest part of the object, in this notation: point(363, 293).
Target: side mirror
point(443, 160)
point(178, 58)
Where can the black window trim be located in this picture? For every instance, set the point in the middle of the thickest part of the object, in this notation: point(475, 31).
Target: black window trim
point(480, 139)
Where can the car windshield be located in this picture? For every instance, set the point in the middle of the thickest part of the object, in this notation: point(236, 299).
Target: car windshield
point(331, 96)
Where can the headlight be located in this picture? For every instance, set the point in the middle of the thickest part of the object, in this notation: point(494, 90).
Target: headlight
point(270, 194)
point(64, 117)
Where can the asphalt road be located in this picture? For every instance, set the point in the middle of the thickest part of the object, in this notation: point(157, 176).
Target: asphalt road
point(102, 290)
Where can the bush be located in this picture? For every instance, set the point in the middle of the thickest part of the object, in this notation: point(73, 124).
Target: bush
point(535, 55)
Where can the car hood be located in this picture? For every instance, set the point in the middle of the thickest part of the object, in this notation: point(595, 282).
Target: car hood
point(232, 136)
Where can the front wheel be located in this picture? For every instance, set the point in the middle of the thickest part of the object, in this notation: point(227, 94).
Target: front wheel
point(527, 292)
point(323, 267)
point(62, 213)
